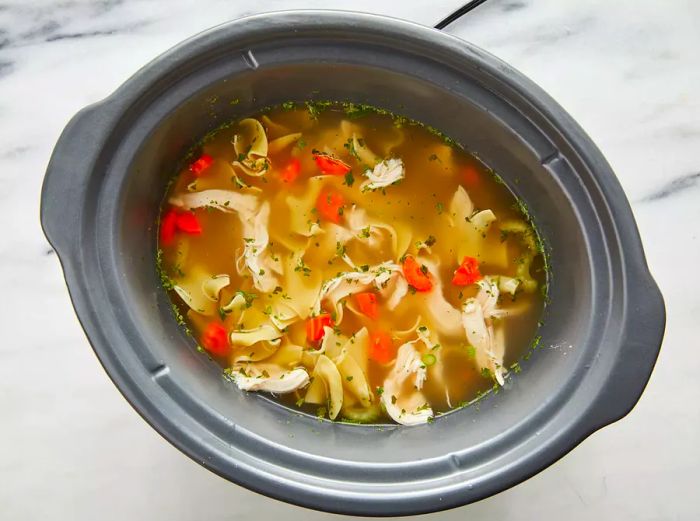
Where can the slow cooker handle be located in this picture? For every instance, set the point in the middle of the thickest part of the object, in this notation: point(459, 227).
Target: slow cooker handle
point(68, 175)
point(642, 335)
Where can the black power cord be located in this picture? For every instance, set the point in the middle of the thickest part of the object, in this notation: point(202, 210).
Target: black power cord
point(458, 13)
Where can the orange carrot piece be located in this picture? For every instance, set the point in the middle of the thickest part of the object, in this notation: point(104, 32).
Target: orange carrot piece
point(331, 165)
point(200, 165)
point(467, 273)
point(329, 205)
point(291, 171)
point(416, 275)
point(367, 302)
point(168, 224)
point(215, 339)
point(381, 347)
point(315, 325)
point(471, 175)
point(187, 222)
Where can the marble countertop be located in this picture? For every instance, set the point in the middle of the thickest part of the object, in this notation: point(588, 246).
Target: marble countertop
point(72, 448)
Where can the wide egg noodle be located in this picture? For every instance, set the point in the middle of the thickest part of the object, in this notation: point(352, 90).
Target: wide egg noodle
point(189, 289)
point(472, 240)
point(248, 337)
point(301, 214)
point(328, 374)
point(251, 146)
point(445, 318)
point(279, 144)
point(302, 287)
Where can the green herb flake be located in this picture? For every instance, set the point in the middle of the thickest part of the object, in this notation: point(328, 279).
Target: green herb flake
point(303, 268)
point(349, 179)
point(248, 297)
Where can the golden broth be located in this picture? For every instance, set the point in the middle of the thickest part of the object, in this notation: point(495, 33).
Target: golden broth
point(418, 207)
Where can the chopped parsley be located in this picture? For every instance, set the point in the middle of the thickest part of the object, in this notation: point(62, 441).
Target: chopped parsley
point(350, 146)
point(248, 297)
point(301, 267)
point(349, 179)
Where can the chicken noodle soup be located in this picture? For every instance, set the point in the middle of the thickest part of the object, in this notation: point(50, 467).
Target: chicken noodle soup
point(351, 262)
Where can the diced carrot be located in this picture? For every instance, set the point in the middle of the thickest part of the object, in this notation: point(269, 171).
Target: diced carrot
point(315, 325)
point(367, 302)
point(381, 347)
point(331, 165)
point(471, 175)
point(416, 275)
point(215, 339)
point(467, 273)
point(200, 165)
point(167, 227)
point(187, 222)
point(291, 171)
point(329, 205)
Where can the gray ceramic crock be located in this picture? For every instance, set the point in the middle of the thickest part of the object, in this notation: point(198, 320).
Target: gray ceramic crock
point(602, 331)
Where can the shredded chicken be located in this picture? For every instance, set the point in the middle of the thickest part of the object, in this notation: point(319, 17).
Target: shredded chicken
point(350, 282)
point(406, 404)
point(284, 382)
point(256, 255)
point(385, 173)
point(477, 318)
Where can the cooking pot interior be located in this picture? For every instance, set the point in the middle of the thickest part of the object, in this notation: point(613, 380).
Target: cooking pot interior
point(484, 116)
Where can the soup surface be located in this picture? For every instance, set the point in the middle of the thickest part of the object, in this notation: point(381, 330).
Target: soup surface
point(351, 262)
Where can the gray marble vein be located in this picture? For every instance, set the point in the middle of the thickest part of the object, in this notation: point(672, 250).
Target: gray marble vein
point(674, 187)
point(73, 449)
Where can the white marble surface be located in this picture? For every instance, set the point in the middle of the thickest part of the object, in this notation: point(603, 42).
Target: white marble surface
point(72, 448)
